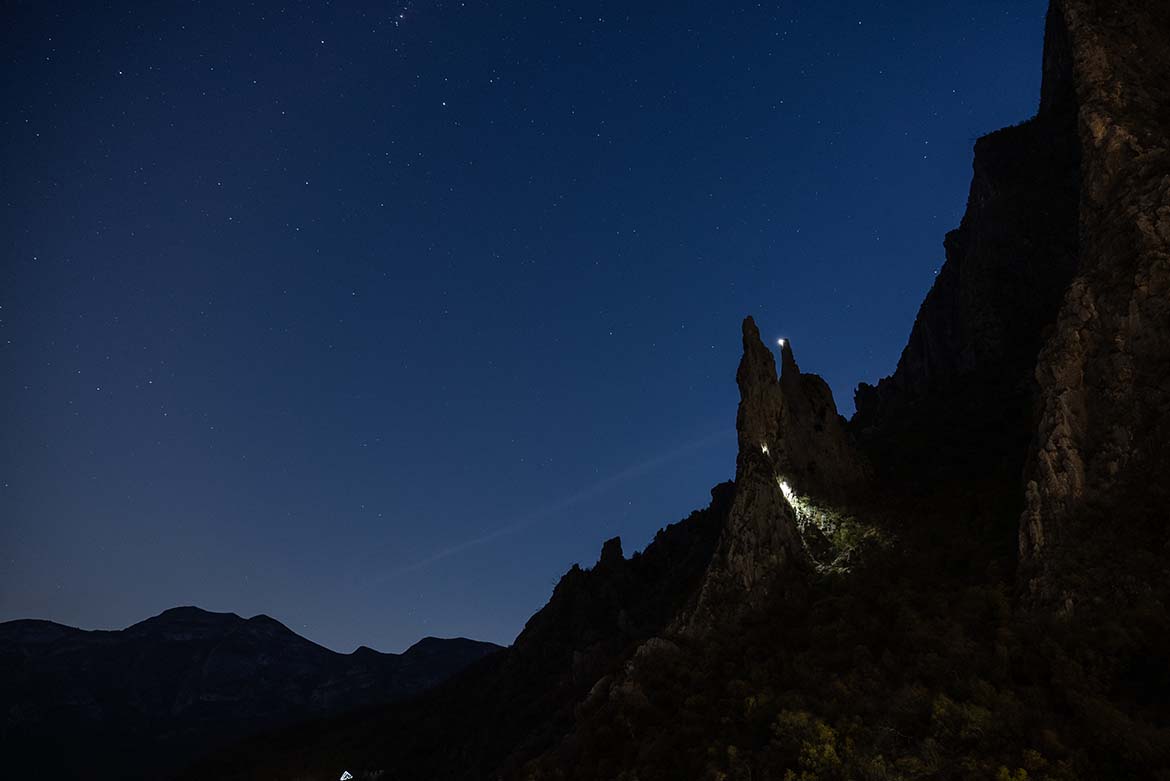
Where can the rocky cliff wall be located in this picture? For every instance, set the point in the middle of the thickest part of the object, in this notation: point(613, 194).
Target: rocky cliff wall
point(1039, 363)
point(1096, 481)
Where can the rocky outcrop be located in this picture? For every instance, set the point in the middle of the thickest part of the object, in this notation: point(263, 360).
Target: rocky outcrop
point(761, 539)
point(1096, 482)
point(792, 443)
point(812, 452)
point(611, 552)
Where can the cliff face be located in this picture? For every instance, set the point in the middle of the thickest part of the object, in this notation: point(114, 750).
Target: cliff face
point(959, 404)
point(1097, 476)
point(1040, 360)
point(1006, 267)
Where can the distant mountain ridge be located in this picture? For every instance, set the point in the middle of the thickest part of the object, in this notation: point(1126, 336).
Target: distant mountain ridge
point(165, 690)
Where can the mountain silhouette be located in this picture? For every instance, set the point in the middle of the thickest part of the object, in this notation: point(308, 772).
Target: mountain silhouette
point(141, 700)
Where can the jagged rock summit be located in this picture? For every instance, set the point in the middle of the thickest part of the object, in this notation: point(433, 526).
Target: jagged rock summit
point(761, 538)
point(611, 552)
point(792, 445)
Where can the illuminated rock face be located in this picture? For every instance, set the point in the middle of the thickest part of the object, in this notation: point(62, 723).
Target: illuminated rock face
point(812, 450)
point(1096, 484)
point(790, 439)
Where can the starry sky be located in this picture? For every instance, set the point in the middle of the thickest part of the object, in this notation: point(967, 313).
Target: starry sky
point(376, 318)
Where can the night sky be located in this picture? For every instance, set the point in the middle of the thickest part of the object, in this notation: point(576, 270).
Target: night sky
point(377, 318)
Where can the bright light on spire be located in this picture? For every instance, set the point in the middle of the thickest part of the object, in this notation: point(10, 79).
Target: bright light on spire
point(780, 342)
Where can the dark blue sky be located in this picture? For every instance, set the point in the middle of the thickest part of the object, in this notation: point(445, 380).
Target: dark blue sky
point(376, 319)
